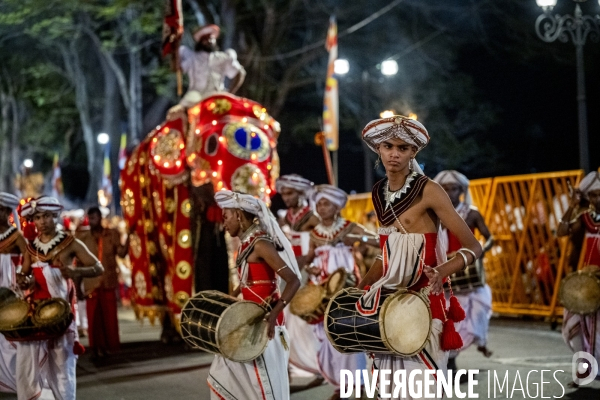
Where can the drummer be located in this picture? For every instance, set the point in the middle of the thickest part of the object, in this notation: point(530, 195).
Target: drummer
point(52, 254)
point(299, 218)
point(477, 302)
point(265, 255)
point(410, 208)
point(297, 223)
point(330, 249)
point(582, 332)
point(12, 247)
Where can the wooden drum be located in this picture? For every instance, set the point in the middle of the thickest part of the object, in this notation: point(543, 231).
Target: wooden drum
point(401, 326)
point(310, 301)
point(215, 322)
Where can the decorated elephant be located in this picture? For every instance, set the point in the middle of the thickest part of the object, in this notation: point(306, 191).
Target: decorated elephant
point(167, 186)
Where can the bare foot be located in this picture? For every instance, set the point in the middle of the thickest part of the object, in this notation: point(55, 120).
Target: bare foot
point(486, 352)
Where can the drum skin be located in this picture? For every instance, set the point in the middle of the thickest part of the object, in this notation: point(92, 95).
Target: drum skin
point(221, 324)
point(401, 326)
point(580, 292)
point(53, 316)
point(309, 303)
point(336, 281)
point(14, 319)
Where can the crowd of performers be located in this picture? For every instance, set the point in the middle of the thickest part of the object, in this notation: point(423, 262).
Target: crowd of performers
point(50, 271)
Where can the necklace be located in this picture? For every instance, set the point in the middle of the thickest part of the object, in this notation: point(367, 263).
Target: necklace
point(330, 232)
point(51, 244)
point(7, 233)
point(248, 233)
point(391, 197)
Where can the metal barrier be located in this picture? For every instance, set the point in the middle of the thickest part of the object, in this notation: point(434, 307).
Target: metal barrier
point(527, 263)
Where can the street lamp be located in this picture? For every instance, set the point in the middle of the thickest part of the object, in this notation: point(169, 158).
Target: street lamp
point(578, 27)
point(103, 138)
point(387, 113)
point(28, 163)
point(389, 67)
point(341, 66)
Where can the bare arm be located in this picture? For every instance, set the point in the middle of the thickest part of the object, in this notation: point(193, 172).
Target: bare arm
point(26, 263)
point(237, 81)
point(267, 252)
point(372, 275)
point(122, 249)
point(483, 229)
point(438, 201)
point(566, 226)
point(359, 233)
point(91, 266)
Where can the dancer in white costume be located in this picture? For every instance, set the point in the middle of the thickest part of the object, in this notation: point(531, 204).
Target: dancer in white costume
point(477, 302)
point(297, 223)
point(582, 332)
point(265, 255)
point(330, 249)
point(12, 247)
point(52, 254)
point(410, 208)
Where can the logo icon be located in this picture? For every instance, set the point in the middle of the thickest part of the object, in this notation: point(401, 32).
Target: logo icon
point(585, 368)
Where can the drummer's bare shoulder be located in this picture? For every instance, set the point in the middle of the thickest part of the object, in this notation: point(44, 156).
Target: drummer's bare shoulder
point(78, 249)
point(311, 223)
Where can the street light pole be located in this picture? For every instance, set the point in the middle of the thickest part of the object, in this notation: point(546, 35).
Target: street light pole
point(368, 168)
point(549, 28)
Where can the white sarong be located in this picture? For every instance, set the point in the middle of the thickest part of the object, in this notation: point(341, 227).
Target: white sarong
point(53, 360)
point(331, 362)
point(582, 333)
point(265, 378)
point(431, 357)
point(477, 304)
point(304, 345)
point(8, 350)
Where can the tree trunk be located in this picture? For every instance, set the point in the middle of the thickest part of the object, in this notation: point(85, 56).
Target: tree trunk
point(5, 175)
point(135, 93)
point(75, 71)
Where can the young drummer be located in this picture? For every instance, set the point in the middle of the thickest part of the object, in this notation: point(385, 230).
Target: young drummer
point(410, 209)
point(265, 256)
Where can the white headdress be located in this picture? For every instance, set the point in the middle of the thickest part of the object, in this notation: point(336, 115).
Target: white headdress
point(294, 181)
point(11, 201)
point(399, 127)
point(41, 204)
point(335, 195)
point(452, 176)
point(246, 202)
point(590, 182)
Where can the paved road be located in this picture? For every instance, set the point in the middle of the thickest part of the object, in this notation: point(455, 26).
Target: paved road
point(146, 369)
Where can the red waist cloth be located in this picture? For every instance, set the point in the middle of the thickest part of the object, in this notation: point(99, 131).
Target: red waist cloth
point(592, 250)
point(437, 302)
point(453, 242)
point(40, 289)
point(262, 286)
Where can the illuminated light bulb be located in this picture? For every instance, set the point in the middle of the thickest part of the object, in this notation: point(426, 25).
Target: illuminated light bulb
point(268, 191)
point(157, 158)
point(202, 174)
point(246, 105)
point(214, 174)
point(196, 110)
point(244, 119)
point(166, 130)
point(255, 175)
point(253, 134)
point(178, 163)
point(253, 157)
point(157, 127)
point(166, 164)
point(222, 139)
point(220, 162)
point(181, 146)
point(269, 167)
point(220, 185)
point(155, 140)
point(197, 131)
point(264, 109)
point(214, 122)
point(266, 126)
point(262, 190)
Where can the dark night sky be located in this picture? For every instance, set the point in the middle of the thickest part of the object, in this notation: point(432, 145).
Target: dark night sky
point(534, 95)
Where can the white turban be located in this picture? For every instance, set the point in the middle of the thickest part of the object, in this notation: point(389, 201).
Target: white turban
point(11, 201)
point(8, 200)
point(41, 204)
point(246, 202)
point(590, 182)
point(452, 176)
point(399, 127)
point(335, 195)
point(294, 181)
